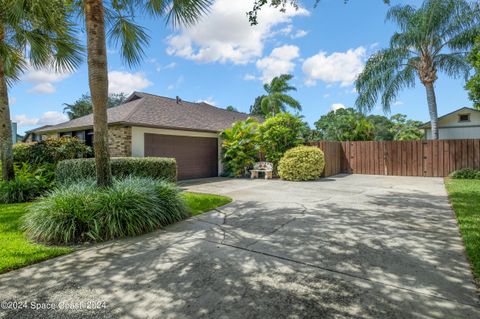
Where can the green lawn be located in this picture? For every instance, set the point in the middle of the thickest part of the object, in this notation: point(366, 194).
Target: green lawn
point(465, 198)
point(200, 203)
point(17, 251)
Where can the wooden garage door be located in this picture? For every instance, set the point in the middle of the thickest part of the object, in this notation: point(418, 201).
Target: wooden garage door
point(197, 157)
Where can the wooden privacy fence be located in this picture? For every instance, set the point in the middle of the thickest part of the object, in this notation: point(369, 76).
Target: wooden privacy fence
point(400, 158)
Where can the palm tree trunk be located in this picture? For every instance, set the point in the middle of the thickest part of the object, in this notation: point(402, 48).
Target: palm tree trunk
point(98, 82)
point(432, 108)
point(6, 154)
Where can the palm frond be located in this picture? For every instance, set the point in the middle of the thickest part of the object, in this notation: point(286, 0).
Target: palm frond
point(454, 65)
point(131, 37)
point(186, 12)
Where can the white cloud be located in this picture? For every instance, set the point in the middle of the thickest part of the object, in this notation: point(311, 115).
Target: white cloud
point(12, 100)
point(337, 106)
point(398, 103)
point(43, 79)
point(47, 118)
point(338, 67)
point(249, 77)
point(299, 34)
point(172, 65)
point(125, 82)
point(159, 67)
point(209, 100)
point(225, 35)
point(43, 88)
point(280, 61)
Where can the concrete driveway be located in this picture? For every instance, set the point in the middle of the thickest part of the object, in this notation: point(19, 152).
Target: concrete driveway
point(344, 247)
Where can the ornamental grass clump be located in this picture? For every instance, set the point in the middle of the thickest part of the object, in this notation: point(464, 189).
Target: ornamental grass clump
point(82, 212)
point(302, 163)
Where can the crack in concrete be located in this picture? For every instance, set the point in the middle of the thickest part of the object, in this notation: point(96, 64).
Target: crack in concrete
point(342, 273)
point(281, 225)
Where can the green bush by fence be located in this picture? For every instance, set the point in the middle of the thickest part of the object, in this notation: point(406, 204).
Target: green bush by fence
point(302, 163)
point(466, 173)
point(155, 167)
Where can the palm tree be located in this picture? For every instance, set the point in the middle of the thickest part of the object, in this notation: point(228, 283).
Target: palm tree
point(118, 18)
point(33, 33)
point(277, 99)
point(436, 37)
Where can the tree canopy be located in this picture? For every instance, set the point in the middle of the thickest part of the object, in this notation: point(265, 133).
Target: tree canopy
point(433, 38)
point(33, 34)
point(277, 99)
point(473, 84)
point(351, 125)
point(83, 106)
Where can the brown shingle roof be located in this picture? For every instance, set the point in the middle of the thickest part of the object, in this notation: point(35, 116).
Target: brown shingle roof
point(149, 110)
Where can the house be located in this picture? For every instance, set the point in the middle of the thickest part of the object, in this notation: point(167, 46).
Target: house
point(31, 136)
point(463, 123)
point(150, 125)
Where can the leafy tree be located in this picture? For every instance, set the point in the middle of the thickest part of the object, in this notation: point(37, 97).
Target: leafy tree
point(277, 98)
point(240, 146)
point(36, 33)
point(116, 19)
point(406, 130)
point(83, 106)
point(433, 38)
point(231, 108)
point(345, 125)
point(351, 125)
point(382, 127)
point(473, 85)
point(279, 134)
point(256, 108)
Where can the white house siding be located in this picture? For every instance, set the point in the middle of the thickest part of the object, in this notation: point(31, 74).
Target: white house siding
point(138, 140)
point(453, 133)
point(450, 126)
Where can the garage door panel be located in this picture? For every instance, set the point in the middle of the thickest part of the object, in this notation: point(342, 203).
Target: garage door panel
point(196, 157)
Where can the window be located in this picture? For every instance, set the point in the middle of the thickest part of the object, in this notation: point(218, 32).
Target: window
point(464, 118)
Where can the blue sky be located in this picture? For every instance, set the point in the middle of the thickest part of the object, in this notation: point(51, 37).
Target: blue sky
point(224, 61)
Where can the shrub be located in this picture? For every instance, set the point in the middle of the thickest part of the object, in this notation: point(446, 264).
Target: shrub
point(26, 186)
point(82, 212)
point(240, 146)
point(302, 163)
point(466, 173)
point(51, 151)
point(278, 134)
point(75, 170)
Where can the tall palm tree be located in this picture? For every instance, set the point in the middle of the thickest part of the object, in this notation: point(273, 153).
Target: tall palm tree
point(115, 19)
point(435, 37)
point(276, 99)
point(33, 33)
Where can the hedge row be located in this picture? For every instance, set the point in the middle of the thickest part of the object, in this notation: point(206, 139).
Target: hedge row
point(75, 170)
point(51, 151)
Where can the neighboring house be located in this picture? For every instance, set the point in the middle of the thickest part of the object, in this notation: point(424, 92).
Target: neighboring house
point(31, 136)
point(150, 125)
point(463, 123)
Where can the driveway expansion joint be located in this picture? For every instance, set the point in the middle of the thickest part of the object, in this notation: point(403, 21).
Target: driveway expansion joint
point(340, 273)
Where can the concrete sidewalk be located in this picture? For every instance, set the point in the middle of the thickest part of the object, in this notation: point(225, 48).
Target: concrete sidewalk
point(344, 247)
